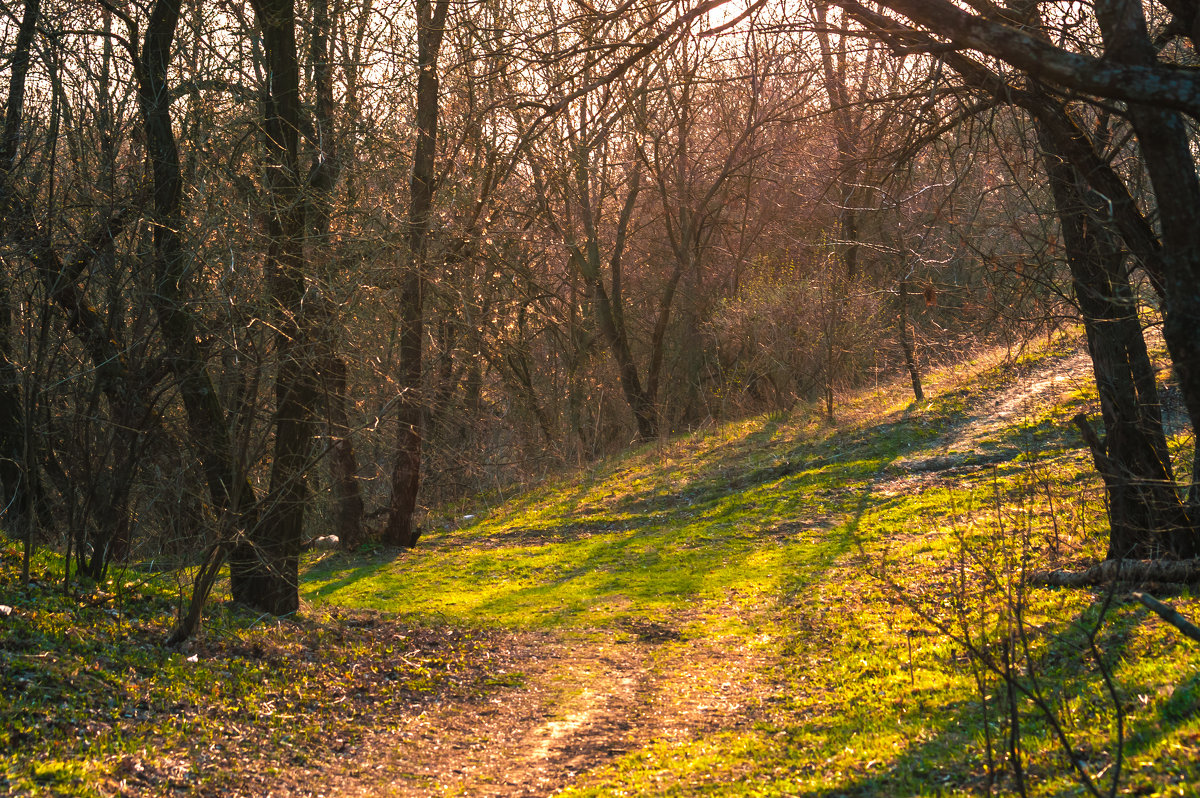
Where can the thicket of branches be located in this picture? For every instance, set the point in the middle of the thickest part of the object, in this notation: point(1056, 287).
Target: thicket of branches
point(276, 270)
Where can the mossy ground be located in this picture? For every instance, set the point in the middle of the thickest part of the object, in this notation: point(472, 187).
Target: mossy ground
point(857, 557)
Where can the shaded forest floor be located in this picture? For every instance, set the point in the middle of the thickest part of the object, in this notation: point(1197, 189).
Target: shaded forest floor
point(765, 608)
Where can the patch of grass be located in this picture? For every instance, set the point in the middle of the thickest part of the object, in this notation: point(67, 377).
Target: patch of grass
point(854, 554)
point(799, 519)
point(671, 528)
point(91, 702)
point(874, 699)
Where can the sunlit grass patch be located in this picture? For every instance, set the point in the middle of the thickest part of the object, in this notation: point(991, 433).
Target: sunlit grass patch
point(871, 701)
point(663, 532)
point(848, 545)
point(863, 559)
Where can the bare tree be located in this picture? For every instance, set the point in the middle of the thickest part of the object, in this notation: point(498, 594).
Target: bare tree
point(406, 474)
point(1147, 513)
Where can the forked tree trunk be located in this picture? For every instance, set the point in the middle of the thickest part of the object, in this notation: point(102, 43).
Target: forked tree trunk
point(229, 487)
point(1147, 514)
point(1166, 146)
point(640, 401)
point(609, 307)
point(264, 573)
point(845, 128)
point(1147, 518)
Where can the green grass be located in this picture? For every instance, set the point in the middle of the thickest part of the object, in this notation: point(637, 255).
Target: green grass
point(671, 527)
point(754, 505)
point(93, 703)
point(642, 539)
point(824, 536)
point(837, 547)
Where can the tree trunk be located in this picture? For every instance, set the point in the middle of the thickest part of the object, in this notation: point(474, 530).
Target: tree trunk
point(1165, 147)
point(658, 339)
point(406, 475)
point(610, 308)
point(15, 471)
point(1165, 143)
point(343, 465)
point(114, 378)
point(229, 486)
point(1128, 571)
point(323, 176)
point(1146, 516)
point(640, 402)
point(1146, 511)
point(264, 572)
point(847, 167)
point(906, 342)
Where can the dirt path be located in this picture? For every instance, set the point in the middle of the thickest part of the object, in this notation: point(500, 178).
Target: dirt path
point(971, 444)
point(584, 701)
point(1043, 386)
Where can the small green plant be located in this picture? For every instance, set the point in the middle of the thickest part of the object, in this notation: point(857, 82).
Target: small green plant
point(1031, 669)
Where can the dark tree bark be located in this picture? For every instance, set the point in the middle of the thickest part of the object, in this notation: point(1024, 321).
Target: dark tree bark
point(15, 470)
point(264, 572)
point(611, 320)
point(229, 486)
point(1134, 81)
point(1146, 516)
point(610, 315)
point(1146, 513)
point(323, 176)
point(906, 342)
point(406, 475)
point(123, 389)
point(848, 169)
point(1165, 144)
point(343, 465)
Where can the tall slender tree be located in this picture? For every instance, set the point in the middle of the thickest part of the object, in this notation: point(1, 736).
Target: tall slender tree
point(264, 569)
point(406, 474)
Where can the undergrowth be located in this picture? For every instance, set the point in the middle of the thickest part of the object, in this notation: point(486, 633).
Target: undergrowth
point(844, 542)
point(876, 692)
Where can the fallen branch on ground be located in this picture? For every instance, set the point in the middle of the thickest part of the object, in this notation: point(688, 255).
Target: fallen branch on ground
point(1137, 571)
point(1170, 615)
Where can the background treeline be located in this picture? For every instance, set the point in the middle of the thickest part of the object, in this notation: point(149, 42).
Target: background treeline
point(273, 270)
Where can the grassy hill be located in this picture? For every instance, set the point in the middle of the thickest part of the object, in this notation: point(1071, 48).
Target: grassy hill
point(776, 606)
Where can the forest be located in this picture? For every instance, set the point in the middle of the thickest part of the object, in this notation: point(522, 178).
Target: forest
point(635, 397)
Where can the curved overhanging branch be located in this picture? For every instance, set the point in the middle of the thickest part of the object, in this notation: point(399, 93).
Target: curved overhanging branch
point(1159, 84)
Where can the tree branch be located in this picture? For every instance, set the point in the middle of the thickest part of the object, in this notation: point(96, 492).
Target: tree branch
point(1170, 615)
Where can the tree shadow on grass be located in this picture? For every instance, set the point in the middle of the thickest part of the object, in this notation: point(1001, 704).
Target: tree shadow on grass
point(562, 573)
point(950, 754)
point(634, 534)
point(351, 568)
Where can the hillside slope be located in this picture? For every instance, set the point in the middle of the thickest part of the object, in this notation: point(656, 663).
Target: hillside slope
point(755, 610)
point(776, 606)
